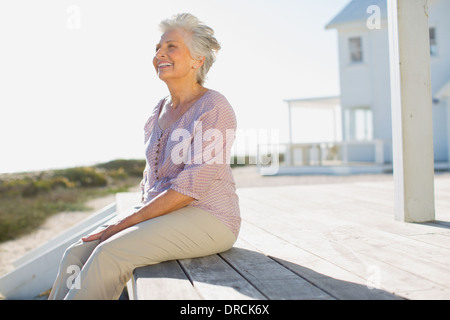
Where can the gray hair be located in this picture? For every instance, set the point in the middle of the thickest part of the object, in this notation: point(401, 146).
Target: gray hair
point(200, 40)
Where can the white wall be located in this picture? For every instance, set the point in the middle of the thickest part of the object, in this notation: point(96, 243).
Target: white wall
point(367, 83)
point(439, 11)
point(355, 77)
point(440, 134)
point(440, 75)
point(381, 95)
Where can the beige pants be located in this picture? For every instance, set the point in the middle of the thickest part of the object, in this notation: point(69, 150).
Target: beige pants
point(90, 270)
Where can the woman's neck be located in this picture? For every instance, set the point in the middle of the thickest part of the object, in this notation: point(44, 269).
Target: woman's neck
point(185, 94)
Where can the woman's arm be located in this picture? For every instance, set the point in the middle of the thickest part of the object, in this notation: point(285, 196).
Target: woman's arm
point(168, 201)
point(196, 177)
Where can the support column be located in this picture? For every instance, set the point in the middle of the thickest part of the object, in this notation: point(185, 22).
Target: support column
point(412, 128)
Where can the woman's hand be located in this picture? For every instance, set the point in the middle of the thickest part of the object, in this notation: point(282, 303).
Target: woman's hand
point(104, 234)
point(166, 202)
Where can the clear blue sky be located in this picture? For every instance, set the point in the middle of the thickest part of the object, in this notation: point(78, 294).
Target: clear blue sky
point(78, 84)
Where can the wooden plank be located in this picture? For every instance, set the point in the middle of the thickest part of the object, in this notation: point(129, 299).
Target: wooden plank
point(163, 281)
point(414, 262)
point(330, 277)
point(342, 237)
point(214, 279)
point(331, 233)
point(386, 277)
point(270, 277)
point(372, 215)
point(318, 273)
point(357, 226)
point(347, 276)
point(310, 229)
point(349, 214)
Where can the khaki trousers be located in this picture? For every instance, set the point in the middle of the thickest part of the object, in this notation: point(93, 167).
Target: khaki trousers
point(90, 270)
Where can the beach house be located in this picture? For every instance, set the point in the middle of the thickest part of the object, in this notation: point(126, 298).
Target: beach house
point(363, 108)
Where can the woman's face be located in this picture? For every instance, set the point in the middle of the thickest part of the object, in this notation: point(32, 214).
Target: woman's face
point(173, 60)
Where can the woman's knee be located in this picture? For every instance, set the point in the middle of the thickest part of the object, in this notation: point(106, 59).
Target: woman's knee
point(109, 253)
point(103, 249)
point(79, 252)
point(112, 262)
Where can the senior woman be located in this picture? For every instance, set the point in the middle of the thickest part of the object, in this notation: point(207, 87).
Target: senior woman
point(190, 207)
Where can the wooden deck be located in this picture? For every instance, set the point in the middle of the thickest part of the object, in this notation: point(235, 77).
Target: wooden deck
point(331, 241)
point(341, 242)
point(301, 238)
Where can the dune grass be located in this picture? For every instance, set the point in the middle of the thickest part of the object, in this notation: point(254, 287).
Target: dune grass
point(27, 199)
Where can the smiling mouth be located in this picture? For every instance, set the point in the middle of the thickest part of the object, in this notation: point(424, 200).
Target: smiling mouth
point(164, 65)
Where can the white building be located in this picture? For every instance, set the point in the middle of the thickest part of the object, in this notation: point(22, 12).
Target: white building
point(365, 100)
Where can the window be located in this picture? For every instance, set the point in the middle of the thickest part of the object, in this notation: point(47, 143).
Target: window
point(355, 48)
point(433, 43)
point(358, 124)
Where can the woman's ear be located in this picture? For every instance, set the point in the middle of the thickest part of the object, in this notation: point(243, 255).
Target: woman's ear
point(198, 63)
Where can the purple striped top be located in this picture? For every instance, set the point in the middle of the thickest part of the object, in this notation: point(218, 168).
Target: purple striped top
point(192, 157)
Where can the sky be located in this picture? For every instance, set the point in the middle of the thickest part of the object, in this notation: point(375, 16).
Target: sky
point(77, 82)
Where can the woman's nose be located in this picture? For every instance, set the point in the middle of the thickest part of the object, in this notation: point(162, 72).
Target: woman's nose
point(160, 54)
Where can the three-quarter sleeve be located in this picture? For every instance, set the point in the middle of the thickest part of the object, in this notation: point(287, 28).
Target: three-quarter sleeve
point(210, 148)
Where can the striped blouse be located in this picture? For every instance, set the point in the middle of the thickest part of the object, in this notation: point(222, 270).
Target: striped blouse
point(192, 157)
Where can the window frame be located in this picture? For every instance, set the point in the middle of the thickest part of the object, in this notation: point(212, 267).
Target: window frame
point(433, 42)
point(355, 49)
point(359, 131)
